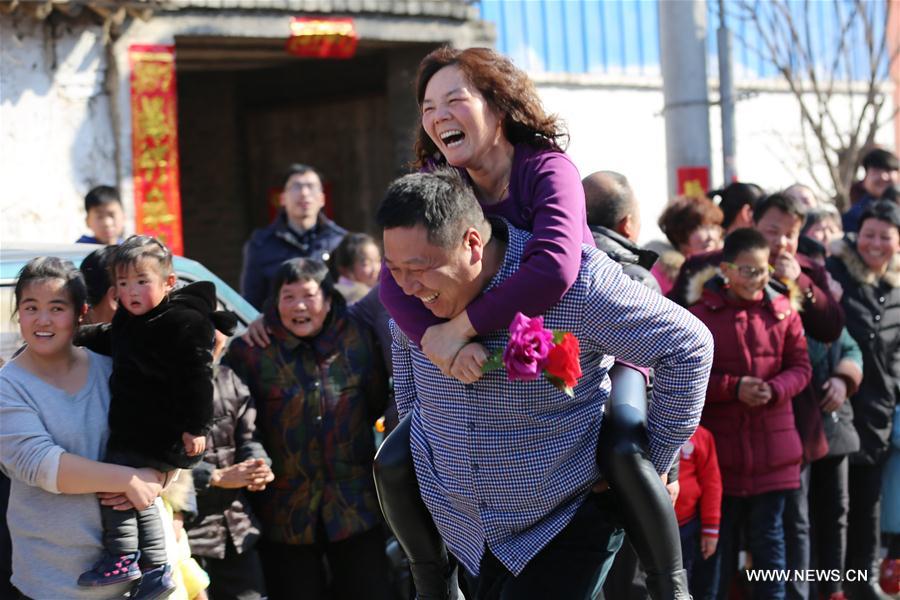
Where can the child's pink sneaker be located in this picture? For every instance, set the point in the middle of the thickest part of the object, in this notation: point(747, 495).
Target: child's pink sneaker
point(110, 570)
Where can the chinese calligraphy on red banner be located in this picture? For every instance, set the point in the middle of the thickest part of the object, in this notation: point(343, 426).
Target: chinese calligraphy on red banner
point(154, 143)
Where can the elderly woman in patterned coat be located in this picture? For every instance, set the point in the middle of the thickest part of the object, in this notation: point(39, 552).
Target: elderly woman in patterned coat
point(319, 387)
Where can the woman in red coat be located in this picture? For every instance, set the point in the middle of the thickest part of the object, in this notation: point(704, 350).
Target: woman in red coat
point(760, 364)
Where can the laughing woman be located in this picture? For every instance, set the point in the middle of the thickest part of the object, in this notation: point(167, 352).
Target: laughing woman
point(482, 115)
point(319, 387)
point(54, 401)
point(868, 270)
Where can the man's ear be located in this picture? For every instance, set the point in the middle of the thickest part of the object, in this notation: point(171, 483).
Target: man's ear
point(746, 213)
point(474, 243)
point(626, 227)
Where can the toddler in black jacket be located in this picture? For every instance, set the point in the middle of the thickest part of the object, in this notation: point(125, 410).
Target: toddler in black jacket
point(161, 408)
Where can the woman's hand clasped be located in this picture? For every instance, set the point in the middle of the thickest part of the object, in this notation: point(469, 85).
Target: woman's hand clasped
point(468, 363)
point(252, 474)
point(442, 343)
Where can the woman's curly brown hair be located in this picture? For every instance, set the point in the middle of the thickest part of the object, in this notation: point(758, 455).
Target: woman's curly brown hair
point(505, 87)
point(684, 215)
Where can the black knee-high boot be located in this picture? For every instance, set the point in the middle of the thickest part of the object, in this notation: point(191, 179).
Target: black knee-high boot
point(404, 511)
point(647, 511)
point(642, 498)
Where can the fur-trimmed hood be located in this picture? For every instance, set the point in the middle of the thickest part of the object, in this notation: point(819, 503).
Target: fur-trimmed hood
point(710, 279)
point(670, 261)
point(845, 250)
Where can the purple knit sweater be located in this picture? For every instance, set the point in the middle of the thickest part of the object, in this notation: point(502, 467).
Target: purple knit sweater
point(545, 198)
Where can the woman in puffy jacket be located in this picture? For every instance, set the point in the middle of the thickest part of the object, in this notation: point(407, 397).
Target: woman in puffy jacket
point(868, 269)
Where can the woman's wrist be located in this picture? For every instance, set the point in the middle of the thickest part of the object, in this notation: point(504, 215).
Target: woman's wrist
point(463, 326)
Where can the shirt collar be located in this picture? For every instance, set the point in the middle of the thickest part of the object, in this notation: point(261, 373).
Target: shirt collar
point(515, 240)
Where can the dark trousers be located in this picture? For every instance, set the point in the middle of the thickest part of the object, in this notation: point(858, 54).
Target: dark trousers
point(626, 578)
point(235, 577)
point(828, 512)
point(6, 588)
point(127, 531)
point(570, 566)
point(864, 518)
point(796, 535)
point(357, 565)
point(702, 573)
point(762, 514)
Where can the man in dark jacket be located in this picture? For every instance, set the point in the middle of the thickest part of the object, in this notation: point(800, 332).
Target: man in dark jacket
point(299, 231)
point(615, 222)
point(225, 532)
point(882, 176)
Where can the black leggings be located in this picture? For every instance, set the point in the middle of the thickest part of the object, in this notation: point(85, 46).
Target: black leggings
point(643, 502)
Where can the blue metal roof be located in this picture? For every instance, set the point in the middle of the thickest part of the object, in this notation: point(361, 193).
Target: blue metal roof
point(621, 37)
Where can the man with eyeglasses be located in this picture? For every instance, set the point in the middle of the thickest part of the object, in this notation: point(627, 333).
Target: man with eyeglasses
point(299, 231)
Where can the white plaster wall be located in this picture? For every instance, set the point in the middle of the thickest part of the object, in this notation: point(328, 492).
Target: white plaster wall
point(622, 129)
point(56, 136)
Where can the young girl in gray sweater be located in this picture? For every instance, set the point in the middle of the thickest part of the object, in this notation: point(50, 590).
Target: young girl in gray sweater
point(54, 400)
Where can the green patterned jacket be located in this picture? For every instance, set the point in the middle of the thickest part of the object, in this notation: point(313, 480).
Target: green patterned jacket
point(317, 400)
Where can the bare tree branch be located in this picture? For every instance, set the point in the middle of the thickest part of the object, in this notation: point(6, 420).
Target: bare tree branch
point(785, 34)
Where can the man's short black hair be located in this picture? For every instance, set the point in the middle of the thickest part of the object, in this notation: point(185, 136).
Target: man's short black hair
point(740, 240)
point(299, 169)
point(101, 195)
point(440, 201)
point(883, 210)
point(95, 268)
point(608, 199)
point(785, 204)
point(735, 196)
point(880, 158)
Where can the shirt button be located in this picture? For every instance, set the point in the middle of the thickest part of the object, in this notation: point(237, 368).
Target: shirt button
point(325, 256)
point(877, 318)
point(469, 387)
point(471, 426)
point(871, 336)
point(319, 419)
point(316, 384)
point(881, 299)
point(475, 467)
point(482, 505)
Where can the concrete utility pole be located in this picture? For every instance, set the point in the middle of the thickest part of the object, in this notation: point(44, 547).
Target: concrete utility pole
point(682, 49)
point(726, 98)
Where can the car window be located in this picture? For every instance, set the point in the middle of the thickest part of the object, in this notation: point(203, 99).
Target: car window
point(10, 339)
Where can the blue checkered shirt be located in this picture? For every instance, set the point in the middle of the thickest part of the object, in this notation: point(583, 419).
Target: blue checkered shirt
point(508, 463)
